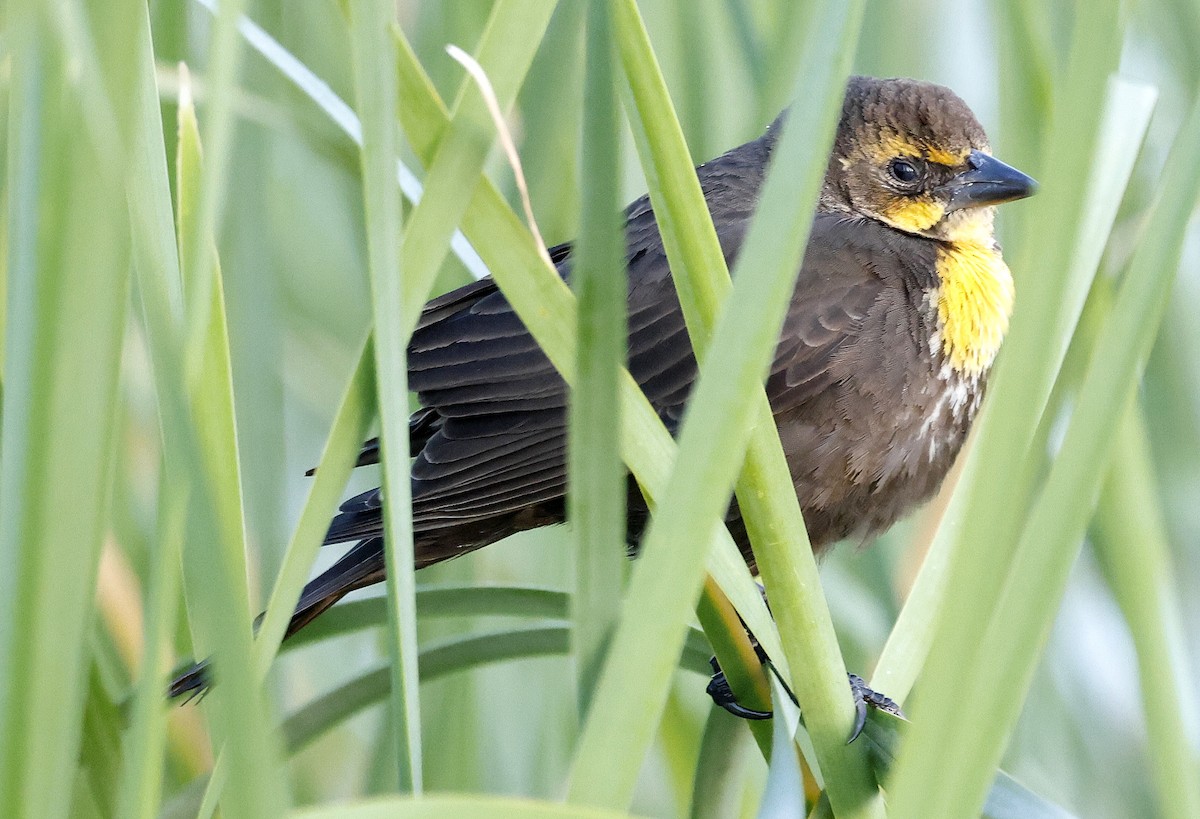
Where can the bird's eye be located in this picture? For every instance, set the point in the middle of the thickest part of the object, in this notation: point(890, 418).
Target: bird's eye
point(903, 170)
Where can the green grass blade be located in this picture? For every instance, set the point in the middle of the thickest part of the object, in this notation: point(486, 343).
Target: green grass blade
point(450, 806)
point(446, 658)
point(997, 495)
point(209, 375)
point(727, 397)
point(546, 306)
point(505, 51)
point(223, 64)
point(971, 746)
point(349, 428)
point(67, 297)
point(1130, 539)
point(202, 448)
point(449, 657)
point(375, 91)
point(148, 199)
point(441, 601)
point(341, 115)
point(596, 477)
point(424, 246)
point(1126, 118)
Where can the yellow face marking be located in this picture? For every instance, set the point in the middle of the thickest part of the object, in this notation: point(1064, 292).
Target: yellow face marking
point(943, 157)
point(974, 302)
point(914, 215)
point(893, 145)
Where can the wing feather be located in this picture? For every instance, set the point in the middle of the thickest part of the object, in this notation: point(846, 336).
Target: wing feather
point(499, 443)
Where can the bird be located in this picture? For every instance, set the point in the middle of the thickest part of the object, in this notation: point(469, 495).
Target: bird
point(899, 309)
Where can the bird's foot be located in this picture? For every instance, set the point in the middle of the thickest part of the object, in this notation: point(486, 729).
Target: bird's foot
point(722, 695)
point(864, 698)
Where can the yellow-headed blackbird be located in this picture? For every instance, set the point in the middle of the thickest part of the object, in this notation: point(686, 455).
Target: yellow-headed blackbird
point(898, 312)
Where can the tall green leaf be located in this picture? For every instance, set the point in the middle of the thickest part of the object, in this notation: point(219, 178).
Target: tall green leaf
point(726, 405)
point(1019, 623)
point(596, 477)
point(67, 301)
point(375, 85)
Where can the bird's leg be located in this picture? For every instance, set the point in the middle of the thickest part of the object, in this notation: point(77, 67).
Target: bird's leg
point(864, 696)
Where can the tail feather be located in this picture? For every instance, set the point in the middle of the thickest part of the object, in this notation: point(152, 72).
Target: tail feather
point(362, 566)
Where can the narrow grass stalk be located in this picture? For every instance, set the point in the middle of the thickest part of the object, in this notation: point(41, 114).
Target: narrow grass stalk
point(223, 66)
point(969, 748)
point(596, 477)
point(769, 505)
point(1130, 539)
point(398, 304)
point(148, 199)
point(439, 601)
point(349, 428)
point(200, 429)
point(375, 91)
point(726, 400)
point(448, 657)
point(208, 374)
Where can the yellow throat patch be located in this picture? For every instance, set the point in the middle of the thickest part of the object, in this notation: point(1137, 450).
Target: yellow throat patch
point(974, 302)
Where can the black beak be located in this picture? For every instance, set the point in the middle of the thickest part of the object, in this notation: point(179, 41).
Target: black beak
point(988, 182)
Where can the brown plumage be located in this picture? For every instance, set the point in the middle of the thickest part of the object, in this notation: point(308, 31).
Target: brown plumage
point(879, 370)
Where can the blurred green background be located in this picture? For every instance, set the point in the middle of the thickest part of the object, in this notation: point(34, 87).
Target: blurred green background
point(293, 257)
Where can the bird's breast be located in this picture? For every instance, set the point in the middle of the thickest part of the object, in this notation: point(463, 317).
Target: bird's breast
point(972, 300)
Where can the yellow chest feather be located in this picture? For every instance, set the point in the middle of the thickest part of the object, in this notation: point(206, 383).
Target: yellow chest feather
point(974, 301)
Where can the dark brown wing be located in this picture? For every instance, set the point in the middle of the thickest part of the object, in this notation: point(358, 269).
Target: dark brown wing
point(495, 407)
point(492, 433)
point(492, 447)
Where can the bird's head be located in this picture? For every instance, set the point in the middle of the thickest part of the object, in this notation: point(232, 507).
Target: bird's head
point(911, 155)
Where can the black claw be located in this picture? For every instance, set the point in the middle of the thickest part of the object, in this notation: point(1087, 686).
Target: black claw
point(860, 717)
point(864, 696)
point(722, 695)
point(192, 683)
